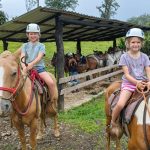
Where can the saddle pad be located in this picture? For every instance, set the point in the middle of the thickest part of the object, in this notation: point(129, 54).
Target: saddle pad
point(128, 110)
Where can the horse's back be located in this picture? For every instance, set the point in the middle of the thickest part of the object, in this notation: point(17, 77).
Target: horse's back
point(111, 88)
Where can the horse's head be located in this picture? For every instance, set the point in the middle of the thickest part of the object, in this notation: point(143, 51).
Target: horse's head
point(8, 80)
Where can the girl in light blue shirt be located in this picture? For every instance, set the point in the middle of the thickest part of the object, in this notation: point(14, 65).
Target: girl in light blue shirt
point(34, 51)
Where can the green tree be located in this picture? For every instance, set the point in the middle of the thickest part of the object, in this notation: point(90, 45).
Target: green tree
point(31, 4)
point(143, 20)
point(108, 8)
point(3, 17)
point(62, 4)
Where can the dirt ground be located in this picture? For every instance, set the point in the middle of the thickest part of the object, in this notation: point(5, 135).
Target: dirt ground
point(71, 138)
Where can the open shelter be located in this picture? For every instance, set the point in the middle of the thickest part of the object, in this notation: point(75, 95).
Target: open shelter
point(59, 25)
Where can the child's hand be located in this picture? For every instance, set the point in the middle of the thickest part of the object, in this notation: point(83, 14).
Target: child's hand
point(30, 66)
point(24, 70)
point(141, 85)
point(148, 85)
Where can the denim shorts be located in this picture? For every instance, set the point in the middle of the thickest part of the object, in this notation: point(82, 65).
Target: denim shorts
point(40, 69)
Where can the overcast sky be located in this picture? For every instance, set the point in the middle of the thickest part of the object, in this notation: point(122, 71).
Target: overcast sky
point(127, 9)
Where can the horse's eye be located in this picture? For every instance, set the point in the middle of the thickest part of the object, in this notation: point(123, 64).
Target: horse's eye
point(14, 73)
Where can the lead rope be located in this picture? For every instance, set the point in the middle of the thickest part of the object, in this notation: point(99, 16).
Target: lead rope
point(144, 114)
point(143, 94)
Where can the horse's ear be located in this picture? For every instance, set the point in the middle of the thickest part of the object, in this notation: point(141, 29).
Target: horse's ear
point(6, 53)
point(17, 54)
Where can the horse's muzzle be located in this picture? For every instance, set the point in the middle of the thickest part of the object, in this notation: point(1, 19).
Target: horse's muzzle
point(5, 108)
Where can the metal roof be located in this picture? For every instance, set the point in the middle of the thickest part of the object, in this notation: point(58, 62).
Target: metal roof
point(75, 26)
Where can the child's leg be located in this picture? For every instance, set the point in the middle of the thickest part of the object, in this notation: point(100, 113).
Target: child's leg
point(50, 83)
point(124, 97)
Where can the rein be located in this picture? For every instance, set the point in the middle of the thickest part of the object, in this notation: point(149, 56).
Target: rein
point(144, 114)
point(143, 93)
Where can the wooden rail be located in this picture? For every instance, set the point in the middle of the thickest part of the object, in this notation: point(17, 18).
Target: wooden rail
point(86, 83)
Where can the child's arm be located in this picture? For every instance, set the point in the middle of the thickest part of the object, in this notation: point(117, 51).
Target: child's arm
point(128, 76)
point(35, 61)
point(147, 69)
point(140, 84)
point(23, 59)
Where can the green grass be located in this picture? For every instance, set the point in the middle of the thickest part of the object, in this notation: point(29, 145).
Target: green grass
point(89, 117)
point(87, 48)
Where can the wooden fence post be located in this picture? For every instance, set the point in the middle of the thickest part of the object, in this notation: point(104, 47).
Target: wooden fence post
point(60, 58)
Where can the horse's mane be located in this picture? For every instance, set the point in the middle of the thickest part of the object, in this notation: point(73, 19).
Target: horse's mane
point(5, 54)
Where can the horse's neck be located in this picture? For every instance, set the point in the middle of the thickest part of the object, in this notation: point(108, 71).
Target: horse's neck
point(24, 94)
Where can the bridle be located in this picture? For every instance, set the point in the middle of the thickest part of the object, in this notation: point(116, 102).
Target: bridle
point(14, 90)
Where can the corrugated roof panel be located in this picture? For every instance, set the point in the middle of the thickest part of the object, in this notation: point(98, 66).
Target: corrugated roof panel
point(75, 26)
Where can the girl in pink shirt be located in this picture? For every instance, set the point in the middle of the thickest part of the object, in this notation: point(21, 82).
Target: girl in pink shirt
point(135, 65)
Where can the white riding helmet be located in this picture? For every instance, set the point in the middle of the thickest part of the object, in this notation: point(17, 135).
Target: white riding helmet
point(135, 32)
point(33, 27)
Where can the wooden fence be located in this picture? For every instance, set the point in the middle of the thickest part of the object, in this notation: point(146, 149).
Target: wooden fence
point(64, 90)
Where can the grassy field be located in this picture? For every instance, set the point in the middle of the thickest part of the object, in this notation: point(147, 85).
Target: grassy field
point(87, 47)
point(88, 117)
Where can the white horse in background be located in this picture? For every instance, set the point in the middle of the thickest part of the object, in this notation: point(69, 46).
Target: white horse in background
point(114, 57)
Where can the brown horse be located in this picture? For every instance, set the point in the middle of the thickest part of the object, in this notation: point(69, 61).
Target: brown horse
point(138, 128)
point(91, 61)
point(19, 97)
point(69, 62)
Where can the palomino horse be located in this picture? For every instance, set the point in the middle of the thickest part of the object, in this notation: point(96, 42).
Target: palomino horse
point(19, 97)
point(139, 126)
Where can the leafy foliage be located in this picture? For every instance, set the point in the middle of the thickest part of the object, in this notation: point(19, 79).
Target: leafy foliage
point(121, 43)
point(62, 4)
point(143, 20)
point(3, 17)
point(108, 8)
point(31, 3)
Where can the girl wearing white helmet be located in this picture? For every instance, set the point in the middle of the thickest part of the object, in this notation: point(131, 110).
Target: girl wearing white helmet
point(135, 65)
point(34, 51)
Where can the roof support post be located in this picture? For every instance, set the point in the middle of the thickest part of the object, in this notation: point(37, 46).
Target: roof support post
point(60, 58)
point(5, 45)
point(78, 47)
point(114, 43)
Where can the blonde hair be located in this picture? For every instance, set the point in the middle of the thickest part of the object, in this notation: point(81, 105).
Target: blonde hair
point(127, 42)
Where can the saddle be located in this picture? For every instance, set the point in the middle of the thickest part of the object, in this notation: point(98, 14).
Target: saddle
point(41, 88)
point(131, 106)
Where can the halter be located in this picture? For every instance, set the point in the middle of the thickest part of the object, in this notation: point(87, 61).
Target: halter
point(12, 90)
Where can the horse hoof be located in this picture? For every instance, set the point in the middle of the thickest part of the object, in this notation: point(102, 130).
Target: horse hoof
point(116, 132)
point(39, 136)
point(56, 134)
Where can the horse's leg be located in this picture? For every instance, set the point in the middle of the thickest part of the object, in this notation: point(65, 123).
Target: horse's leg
point(118, 146)
point(52, 112)
point(108, 133)
point(20, 128)
point(40, 129)
point(56, 126)
point(33, 133)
